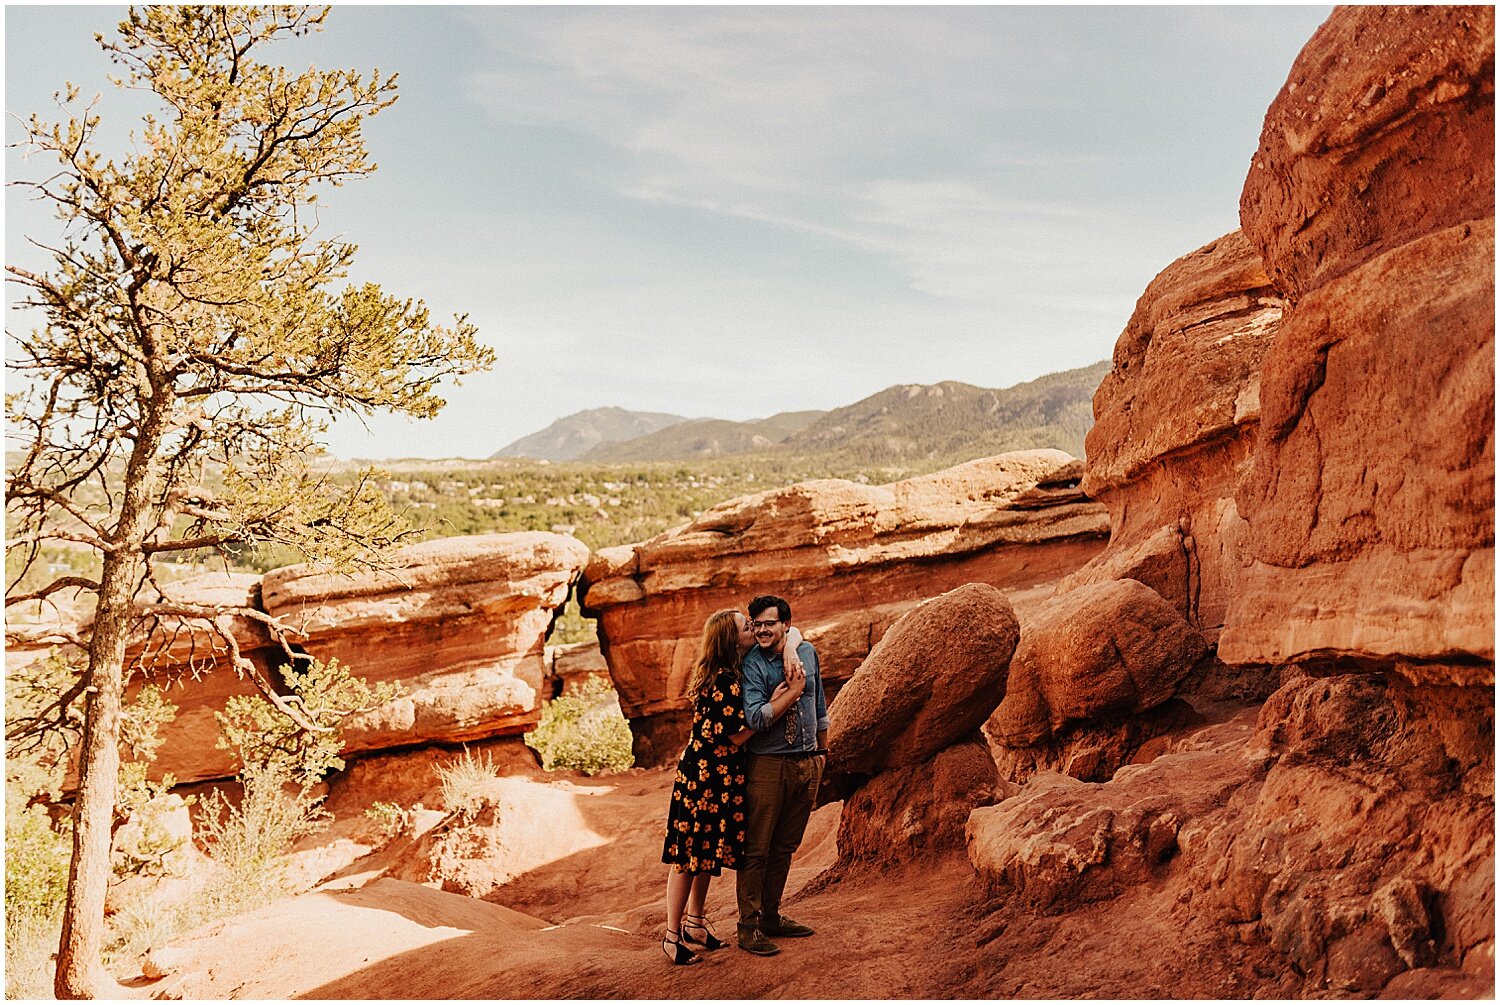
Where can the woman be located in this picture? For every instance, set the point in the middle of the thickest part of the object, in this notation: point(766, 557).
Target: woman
point(706, 819)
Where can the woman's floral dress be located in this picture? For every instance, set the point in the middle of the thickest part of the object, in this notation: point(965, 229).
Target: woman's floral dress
point(706, 821)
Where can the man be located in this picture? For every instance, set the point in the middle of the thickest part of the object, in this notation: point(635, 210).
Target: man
point(786, 755)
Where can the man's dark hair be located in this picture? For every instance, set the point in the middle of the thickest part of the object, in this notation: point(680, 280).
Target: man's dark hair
point(759, 604)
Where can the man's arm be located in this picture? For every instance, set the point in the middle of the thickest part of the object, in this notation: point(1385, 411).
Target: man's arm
point(758, 711)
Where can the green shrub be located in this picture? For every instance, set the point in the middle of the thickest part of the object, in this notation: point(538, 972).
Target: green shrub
point(467, 782)
point(584, 732)
point(249, 844)
point(326, 694)
point(37, 851)
point(392, 819)
point(36, 880)
point(31, 939)
point(36, 862)
point(145, 922)
point(250, 841)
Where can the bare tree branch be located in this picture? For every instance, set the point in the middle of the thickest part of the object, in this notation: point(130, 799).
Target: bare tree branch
point(65, 582)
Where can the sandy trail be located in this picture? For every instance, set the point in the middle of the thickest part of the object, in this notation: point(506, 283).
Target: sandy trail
point(587, 925)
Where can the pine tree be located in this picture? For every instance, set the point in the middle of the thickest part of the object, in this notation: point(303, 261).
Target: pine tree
point(196, 336)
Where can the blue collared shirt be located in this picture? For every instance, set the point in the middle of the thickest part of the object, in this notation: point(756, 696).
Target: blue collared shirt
point(762, 671)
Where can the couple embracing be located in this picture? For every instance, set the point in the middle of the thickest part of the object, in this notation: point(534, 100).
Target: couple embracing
point(747, 781)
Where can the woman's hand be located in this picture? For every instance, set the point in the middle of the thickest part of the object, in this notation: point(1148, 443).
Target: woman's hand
point(796, 681)
point(789, 657)
point(788, 691)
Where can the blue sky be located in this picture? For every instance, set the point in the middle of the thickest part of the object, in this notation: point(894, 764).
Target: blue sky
point(735, 211)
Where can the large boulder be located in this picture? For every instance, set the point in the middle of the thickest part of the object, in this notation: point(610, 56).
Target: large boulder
point(932, 679)
point(903, 739)
point(1335, 183)
point(850, 559)
point(1106, 647)
point(1093, 750)
point(1370, 498)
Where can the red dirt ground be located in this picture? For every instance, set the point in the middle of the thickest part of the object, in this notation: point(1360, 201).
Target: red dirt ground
point(587, 925)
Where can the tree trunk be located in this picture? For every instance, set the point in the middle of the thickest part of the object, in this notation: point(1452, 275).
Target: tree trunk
point(79, 970)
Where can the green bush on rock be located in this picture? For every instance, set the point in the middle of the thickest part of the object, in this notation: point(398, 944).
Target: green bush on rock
point(584, 732)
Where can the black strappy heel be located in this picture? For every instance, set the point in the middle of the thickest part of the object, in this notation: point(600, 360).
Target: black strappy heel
point(709, 941)
point(679, 955)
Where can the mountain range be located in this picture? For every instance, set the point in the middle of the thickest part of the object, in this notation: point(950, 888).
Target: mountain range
point(908, 422)
point(706, 438)
point(574, 435)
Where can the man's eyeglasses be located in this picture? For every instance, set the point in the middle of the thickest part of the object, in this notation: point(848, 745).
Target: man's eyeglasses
point(772, 623)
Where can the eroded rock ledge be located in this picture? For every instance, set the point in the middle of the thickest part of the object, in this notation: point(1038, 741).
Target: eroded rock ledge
point(1175, 420)
point(851, 559)
point(459, 623)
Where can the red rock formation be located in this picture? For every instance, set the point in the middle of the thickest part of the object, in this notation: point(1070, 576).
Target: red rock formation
point(1335, 184)
point(920, 810)
point(1340, 825)
point(929, 682)
point(1369, 847)
point(1353, 831)
point(1060, 841)
point(571, 667)
point(1174, 421)
point(459, 623)
point(1175, 424)
point(189, 662)
point(850, 558)
point(910, 716)
point(1370, 500)
point(1106, 647)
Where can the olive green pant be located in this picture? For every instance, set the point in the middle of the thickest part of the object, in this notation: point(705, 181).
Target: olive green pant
point(779, 793)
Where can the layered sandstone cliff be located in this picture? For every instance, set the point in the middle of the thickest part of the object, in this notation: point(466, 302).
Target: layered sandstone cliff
point(850, 559)
point(1338, 546)
point(1370, 499)
point(458, 623)
point(1175, 423)
point(1101, 663)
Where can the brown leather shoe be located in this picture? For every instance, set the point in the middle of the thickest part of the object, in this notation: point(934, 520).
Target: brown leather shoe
point(757, 943)
point(786, 928)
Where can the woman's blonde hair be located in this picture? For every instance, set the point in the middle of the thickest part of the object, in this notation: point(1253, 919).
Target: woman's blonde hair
point(720, 650)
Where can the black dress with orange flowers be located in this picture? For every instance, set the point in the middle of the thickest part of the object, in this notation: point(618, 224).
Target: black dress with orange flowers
point(706, 821)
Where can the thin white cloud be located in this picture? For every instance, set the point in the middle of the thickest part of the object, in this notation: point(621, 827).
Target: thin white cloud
point(811, 120)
